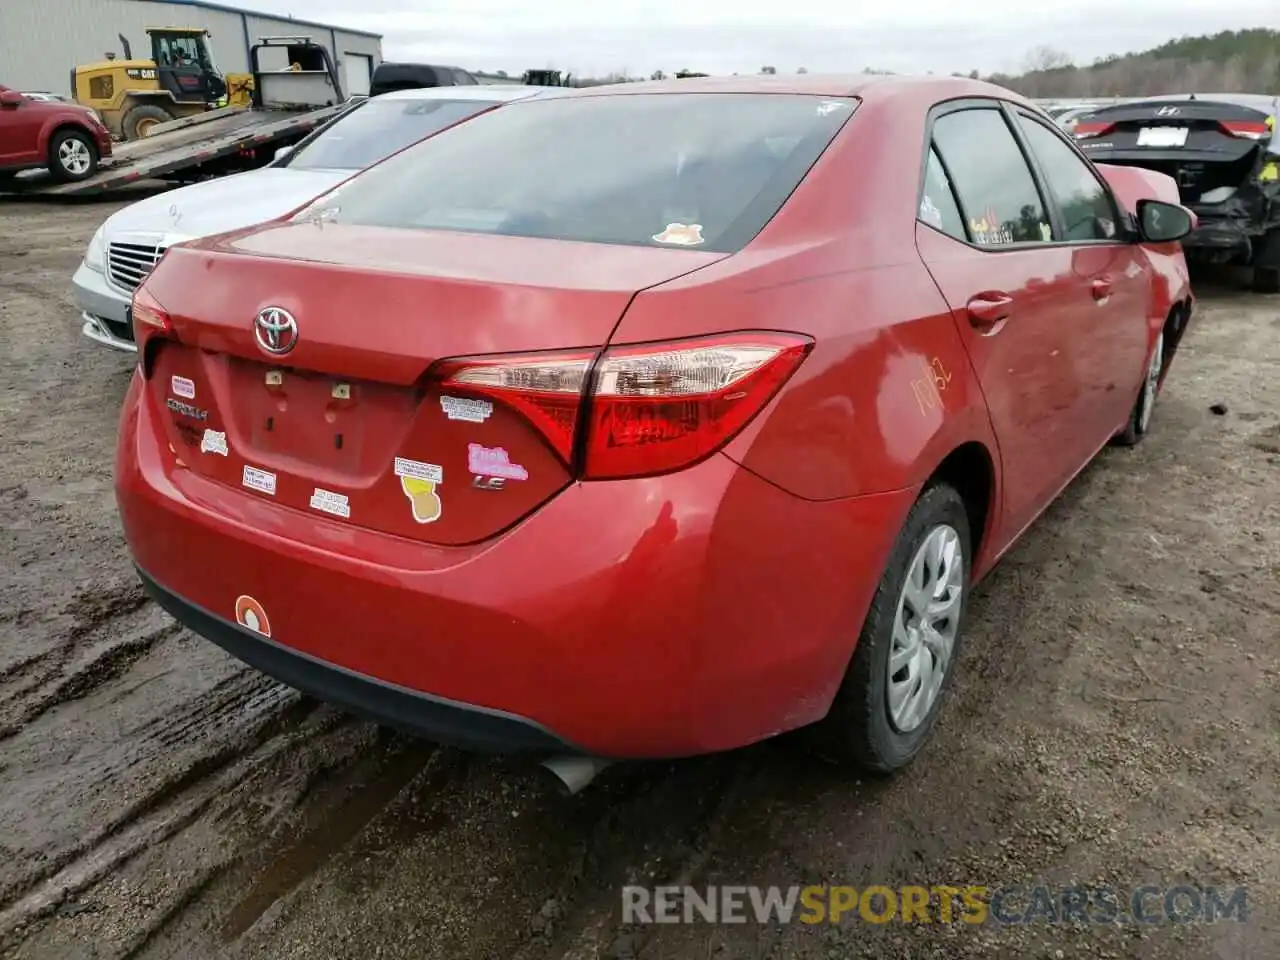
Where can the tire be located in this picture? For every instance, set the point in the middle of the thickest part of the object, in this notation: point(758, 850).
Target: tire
point(73, 156)
point(137, 121)
point(1266, 263)
point(860, 728)
point(1140, 416)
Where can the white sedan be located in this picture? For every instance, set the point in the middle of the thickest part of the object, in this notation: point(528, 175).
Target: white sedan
point(130, 242)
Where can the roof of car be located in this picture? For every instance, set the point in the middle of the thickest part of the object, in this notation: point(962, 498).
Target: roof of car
point(866, 86)
point(497, 92)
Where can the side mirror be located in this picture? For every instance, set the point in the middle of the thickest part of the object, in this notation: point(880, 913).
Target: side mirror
point(283, 152)
point(10, 98)
point(1160, 222)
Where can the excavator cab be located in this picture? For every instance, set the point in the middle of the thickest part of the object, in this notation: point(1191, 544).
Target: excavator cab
point(178, 79)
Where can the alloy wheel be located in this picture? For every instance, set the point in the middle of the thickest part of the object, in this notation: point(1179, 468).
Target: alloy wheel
point(925, 628)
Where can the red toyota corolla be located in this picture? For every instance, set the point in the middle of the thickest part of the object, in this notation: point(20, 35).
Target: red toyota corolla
point(647, 420)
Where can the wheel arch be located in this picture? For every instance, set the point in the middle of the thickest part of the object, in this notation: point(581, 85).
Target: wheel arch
point(1174, 327)
point(970, 469)
point(67, 125)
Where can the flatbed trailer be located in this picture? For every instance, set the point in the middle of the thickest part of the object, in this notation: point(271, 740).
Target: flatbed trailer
point(215, 147)
point(217, 142)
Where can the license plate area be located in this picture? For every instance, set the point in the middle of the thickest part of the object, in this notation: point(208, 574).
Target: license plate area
point(325, 422)
point(1162, 137)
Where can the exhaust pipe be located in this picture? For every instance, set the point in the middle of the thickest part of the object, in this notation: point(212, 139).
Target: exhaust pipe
point(574, 773)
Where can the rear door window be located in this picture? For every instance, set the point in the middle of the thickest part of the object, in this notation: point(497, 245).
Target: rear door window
point(997, 191)
point(1087, 210)
point(704, 171)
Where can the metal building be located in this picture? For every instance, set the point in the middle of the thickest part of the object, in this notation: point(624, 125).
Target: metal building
point(41, 40)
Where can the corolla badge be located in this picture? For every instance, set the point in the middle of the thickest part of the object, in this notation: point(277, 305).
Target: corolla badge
point(275, 330)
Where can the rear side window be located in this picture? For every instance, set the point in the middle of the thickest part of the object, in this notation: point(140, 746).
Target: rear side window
point(937, 201)
point(991, 178)
point(705, 171)
point(378, 128)
point(1087, 211)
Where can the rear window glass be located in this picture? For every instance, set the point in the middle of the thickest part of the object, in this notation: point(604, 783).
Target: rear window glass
point(704, 171)
point(378, 128)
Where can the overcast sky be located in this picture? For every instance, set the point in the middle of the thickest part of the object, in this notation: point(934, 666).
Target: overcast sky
point(595, 37)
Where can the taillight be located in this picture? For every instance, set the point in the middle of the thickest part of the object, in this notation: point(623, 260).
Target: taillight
point(149, 316)
point(1082, 131)
point(660, 407)
point(1246, 129)
point(649, 408)
point(545, 388)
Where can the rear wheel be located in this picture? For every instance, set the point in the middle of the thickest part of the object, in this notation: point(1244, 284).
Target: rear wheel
point(139, 121)
point(1266, 263)
point(72, 156)
point(891, 694)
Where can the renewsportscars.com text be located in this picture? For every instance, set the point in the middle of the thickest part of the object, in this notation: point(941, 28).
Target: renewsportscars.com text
point(935, 904)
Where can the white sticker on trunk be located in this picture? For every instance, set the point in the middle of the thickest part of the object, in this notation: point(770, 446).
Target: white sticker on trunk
point(261, 480)
point(431, 472)
point(493, 462)
point(182, 387)
point(329, 502)
point(464, 408)
point(214, 442)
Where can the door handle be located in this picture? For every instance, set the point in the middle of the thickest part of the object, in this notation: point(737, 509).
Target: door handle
point(1101, 288)
point(986, 310)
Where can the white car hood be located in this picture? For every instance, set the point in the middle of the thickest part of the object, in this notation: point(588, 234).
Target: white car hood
point(216, 206)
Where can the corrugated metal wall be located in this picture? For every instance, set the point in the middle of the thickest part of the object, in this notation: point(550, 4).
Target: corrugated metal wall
point(41, 40)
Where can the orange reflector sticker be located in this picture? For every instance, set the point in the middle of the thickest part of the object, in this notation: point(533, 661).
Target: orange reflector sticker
point(249, 613)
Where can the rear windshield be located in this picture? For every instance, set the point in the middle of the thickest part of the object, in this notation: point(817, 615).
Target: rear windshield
point(378, 128)
point(705, 171)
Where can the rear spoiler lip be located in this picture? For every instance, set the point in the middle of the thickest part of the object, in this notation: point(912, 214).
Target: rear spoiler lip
point(1187, 109)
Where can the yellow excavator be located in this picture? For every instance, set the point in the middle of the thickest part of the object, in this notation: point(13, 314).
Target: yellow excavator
point(179, 79)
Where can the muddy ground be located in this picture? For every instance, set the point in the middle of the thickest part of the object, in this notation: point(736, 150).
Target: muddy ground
point(1115, 719)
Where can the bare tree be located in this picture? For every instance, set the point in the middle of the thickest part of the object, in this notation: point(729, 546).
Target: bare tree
point(1045, 57)
point(803, 70)
point(769, 70)
point(657, 75)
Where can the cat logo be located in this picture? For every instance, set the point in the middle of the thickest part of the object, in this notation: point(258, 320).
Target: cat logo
point(135, 73)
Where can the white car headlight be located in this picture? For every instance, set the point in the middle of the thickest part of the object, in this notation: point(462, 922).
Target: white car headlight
point(96, 254)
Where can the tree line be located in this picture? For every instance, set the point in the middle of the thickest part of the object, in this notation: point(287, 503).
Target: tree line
point(1233, 61)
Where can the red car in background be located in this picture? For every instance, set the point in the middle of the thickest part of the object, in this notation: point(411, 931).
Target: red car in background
point(67, 139)
point(649, 420)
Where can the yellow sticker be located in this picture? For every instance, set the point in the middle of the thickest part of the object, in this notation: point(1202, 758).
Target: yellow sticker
point(422, 498)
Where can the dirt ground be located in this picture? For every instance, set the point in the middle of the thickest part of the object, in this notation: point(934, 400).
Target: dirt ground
point(1116, 718)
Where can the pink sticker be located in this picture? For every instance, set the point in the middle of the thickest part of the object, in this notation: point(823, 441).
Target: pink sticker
point(493, 462)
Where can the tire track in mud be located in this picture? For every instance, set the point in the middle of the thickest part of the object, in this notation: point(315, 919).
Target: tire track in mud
point(58, 675)
point(128, 775)
point(175, 801)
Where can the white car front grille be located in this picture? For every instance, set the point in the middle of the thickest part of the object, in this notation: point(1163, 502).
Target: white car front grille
point(129, 263)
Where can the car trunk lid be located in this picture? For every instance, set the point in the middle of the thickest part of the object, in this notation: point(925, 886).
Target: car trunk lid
point(350, 424)
point(1209, 147)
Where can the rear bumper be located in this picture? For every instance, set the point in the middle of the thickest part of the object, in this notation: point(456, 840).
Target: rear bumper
point(665, 617)
point(409, 710)
point(1219, 234)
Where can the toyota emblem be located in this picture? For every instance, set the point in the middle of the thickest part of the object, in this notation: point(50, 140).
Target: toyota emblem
point(275, 330)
